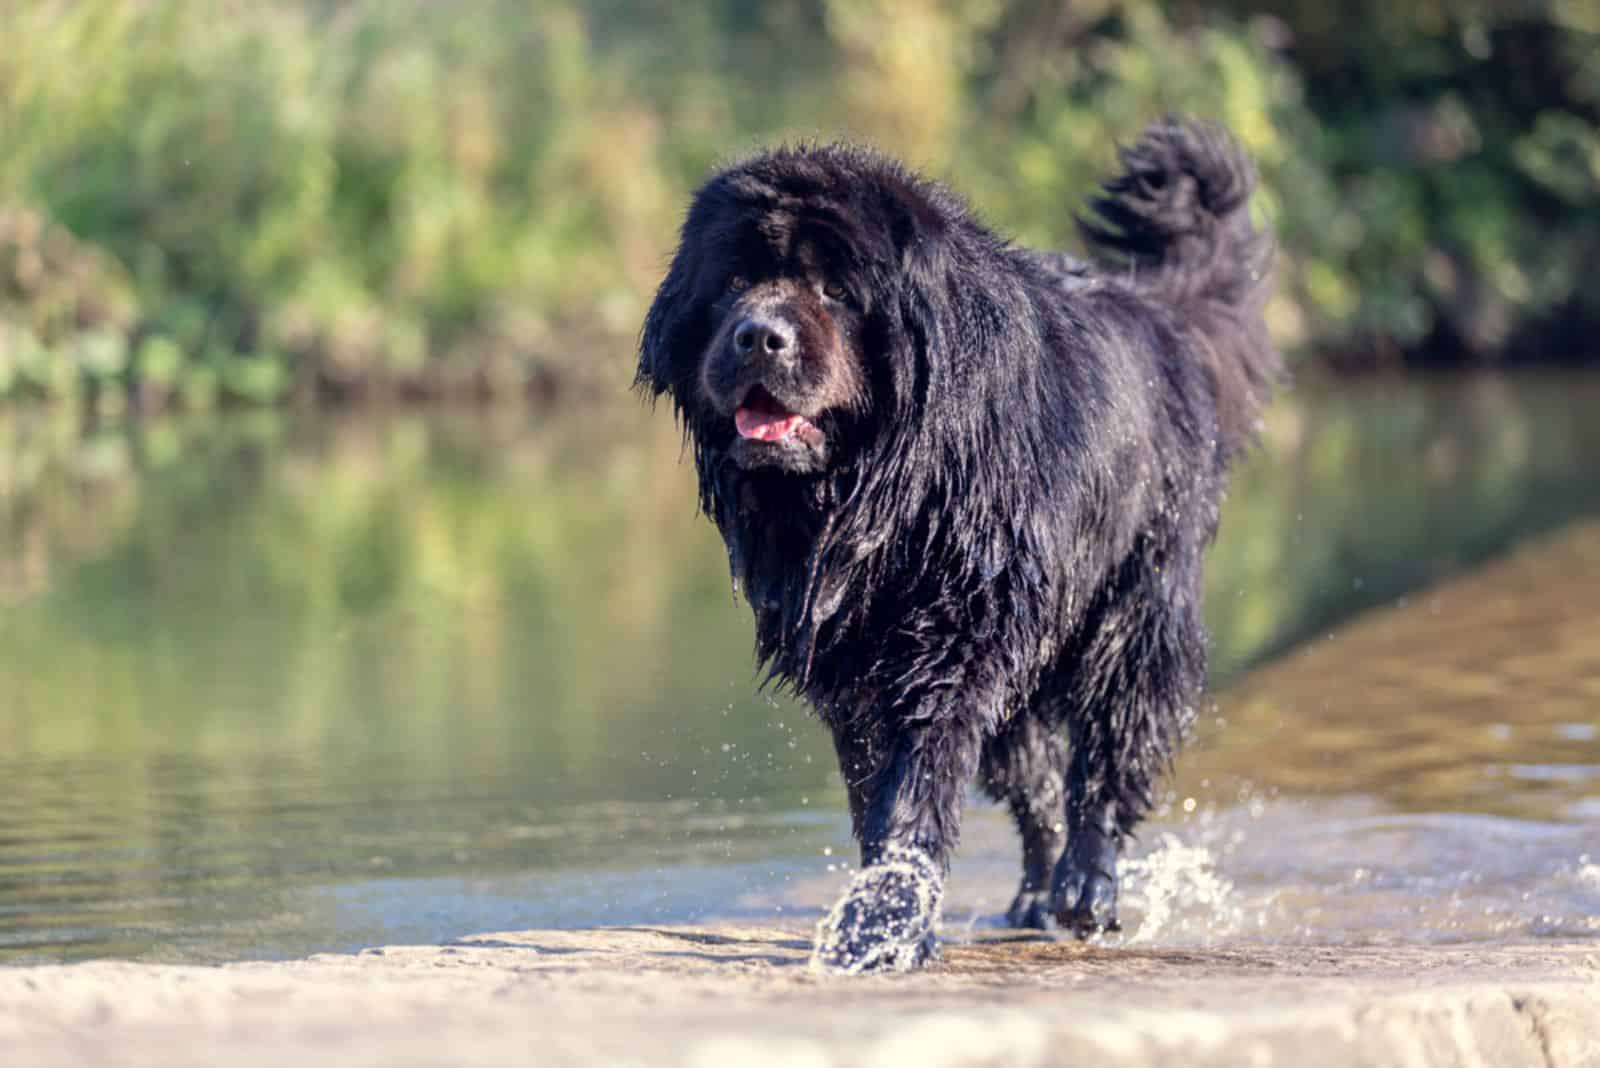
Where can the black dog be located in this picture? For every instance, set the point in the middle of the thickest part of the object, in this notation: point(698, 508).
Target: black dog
point(967, 488)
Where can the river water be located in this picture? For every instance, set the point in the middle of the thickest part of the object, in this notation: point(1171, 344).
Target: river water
point(274, 684)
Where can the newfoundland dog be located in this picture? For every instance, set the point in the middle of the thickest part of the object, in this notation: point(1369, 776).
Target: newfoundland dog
point(967, 487)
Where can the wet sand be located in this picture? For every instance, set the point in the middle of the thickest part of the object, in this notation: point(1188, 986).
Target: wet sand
point(737, 996)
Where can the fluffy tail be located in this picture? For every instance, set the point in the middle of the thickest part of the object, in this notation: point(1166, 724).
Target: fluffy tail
point(1178, 218)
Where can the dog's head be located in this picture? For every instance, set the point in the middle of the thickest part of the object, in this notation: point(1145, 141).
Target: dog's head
point(846, 347)
point(781, 328)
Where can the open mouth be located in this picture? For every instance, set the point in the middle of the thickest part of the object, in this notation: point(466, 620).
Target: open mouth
point(763, 418)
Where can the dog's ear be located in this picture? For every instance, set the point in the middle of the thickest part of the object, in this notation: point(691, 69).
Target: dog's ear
point(918, 222)
point(964, 321)
point(655, 373)
point(925, 298)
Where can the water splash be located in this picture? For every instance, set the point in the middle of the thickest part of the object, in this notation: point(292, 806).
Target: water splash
point(1178, 892)
point(885, 920)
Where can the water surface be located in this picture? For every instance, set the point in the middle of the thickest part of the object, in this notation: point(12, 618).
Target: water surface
point(272, 684)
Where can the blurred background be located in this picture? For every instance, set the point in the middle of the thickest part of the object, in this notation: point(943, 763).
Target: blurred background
point(346, 593)
point(204, 198)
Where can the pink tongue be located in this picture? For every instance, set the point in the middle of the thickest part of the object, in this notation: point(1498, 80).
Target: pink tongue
point(765, 426)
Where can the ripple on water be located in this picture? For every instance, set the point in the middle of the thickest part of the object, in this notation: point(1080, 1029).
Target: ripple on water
point(1342, 872)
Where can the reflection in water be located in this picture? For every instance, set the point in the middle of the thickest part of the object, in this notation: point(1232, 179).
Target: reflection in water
point(1481, 694)
point(274, 684)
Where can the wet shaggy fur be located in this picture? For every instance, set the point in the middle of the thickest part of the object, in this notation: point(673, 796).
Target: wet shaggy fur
point(982, 558)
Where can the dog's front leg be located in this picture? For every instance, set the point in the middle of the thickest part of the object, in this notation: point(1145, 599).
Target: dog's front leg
point(906, 788)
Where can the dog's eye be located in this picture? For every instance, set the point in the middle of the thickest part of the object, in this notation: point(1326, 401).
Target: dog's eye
point(835, 291)
point(738, 284)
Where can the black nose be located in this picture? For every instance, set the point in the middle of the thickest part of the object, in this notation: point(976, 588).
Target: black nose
point(761, 334)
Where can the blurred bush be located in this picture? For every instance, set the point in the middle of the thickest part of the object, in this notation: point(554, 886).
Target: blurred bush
point(202, 198)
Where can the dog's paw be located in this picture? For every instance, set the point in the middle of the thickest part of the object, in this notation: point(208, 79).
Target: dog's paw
point(1084, 895)
point(885, 921)
point(1087, 904)
point(1031, 909)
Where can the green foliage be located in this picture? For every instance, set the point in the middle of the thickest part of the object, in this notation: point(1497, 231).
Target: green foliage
point(403, 195)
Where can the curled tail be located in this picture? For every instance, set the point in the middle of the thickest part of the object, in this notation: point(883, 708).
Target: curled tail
point(1177, 217)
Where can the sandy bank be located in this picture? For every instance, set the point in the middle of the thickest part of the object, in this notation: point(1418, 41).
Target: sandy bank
point(734, 996)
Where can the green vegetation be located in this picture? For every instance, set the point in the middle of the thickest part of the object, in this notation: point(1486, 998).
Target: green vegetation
point(249, 200)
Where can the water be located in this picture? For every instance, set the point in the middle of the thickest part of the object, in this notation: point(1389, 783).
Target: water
point(272, 685)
